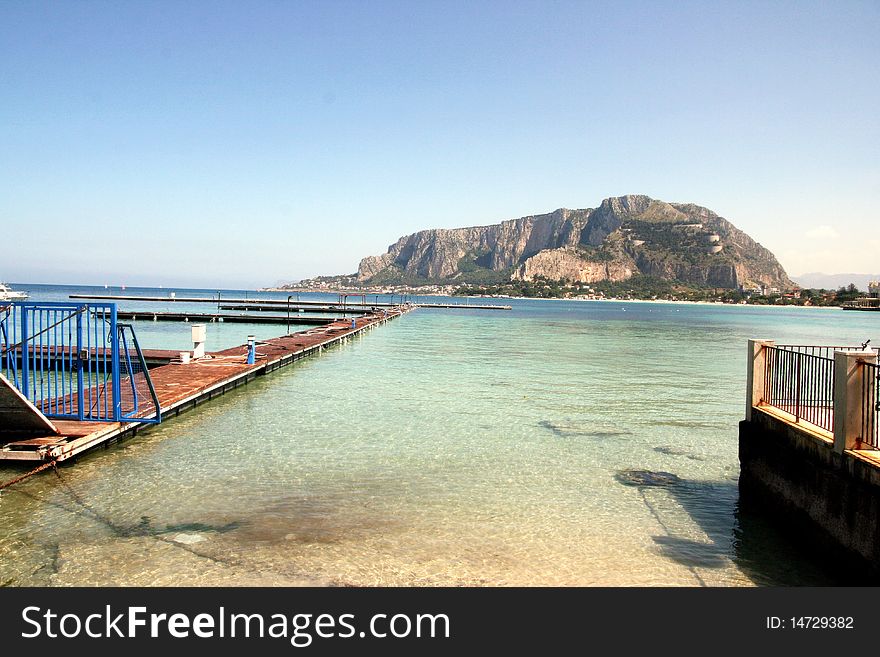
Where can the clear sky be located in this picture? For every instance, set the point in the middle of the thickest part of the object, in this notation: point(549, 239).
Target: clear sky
point(247, 143)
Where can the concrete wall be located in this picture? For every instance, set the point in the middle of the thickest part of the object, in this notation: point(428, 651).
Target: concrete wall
point(830, 499)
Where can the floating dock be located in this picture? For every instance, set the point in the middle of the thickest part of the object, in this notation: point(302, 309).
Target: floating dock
point(331, 309)
point(179, 387)
point(284, 303)
point(221, 317)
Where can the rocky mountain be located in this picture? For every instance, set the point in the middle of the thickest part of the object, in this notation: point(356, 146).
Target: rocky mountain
point(624, 236)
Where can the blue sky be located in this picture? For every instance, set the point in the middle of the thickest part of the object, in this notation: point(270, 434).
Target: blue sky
point(246, 143)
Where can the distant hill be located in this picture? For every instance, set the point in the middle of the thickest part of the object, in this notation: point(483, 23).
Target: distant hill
point(819, 280)
point(624, 236)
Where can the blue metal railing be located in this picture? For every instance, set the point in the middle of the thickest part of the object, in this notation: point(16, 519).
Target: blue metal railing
point(137, 396)
point(73, 361)
point(7, 337)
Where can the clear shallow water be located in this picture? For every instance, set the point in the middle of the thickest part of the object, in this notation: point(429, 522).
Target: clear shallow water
point(447, 447)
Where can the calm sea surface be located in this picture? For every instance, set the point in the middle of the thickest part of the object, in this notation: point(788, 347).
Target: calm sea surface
point(449, 447)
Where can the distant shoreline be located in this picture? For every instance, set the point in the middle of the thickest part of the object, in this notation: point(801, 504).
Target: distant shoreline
point(517, 298)
point(665, 301)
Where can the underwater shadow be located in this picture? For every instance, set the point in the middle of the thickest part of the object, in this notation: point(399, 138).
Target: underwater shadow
point(572, 430)
point(765, 552)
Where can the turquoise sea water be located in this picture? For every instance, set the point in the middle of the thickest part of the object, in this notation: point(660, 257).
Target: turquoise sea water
point(448, 447)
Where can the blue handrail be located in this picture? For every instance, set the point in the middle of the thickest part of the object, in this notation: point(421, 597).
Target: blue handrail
point(72, 361)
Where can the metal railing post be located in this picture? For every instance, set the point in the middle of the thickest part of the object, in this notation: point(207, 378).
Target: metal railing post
point(25, 356)
point(80, 398)
point(114, 359)
point(849, 372)
point(756, 364)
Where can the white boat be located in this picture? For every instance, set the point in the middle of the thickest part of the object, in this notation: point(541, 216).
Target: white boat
point(8, 294)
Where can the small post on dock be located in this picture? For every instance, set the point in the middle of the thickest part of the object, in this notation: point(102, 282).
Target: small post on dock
point(756, 364)
point(199, 335)
point(849, 371)
point(251, 350)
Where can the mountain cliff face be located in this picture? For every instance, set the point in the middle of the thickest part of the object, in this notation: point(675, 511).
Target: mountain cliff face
point(624, 236)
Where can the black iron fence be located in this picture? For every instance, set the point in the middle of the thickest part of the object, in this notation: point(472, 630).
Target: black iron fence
point(824, 351)
point(871, 406)
point(800, 381)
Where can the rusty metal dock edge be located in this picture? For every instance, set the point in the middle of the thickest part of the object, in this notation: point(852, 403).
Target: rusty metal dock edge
point(827, 501)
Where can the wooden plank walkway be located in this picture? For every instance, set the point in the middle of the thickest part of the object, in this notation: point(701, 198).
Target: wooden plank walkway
point(181, 387)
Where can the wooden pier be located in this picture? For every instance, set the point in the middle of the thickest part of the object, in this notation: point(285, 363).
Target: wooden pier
point(180, 387)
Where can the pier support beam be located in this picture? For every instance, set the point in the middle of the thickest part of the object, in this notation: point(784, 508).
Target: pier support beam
point(849, 373)
point(756, 365)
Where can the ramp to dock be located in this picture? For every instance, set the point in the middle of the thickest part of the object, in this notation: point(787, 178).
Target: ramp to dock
point(18, 416)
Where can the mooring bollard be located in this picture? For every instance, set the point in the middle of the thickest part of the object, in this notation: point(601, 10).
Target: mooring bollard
point(251, 350)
